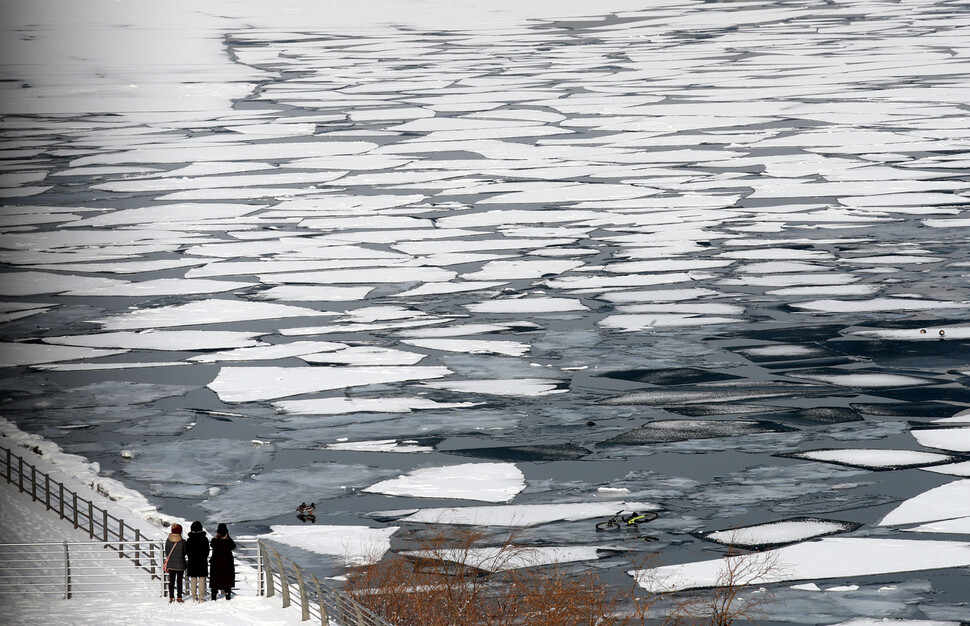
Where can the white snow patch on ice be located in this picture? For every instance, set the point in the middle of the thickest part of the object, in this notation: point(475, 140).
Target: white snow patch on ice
point(246, 384)
point(353, 545)
point(489, 482)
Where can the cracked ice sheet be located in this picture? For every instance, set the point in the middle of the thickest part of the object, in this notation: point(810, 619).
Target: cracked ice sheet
point(189, 467)
point(916, 334)
point(246, 384)
point(14, 354)
point(516, 515)
point(630, 323)
point(365, 355)
point(472, 346)
point(877, 305)
point(266, 352)
point(381, 445)
point(270, 494)
point(212, 311)
point(161, 340)
point(353, 545)
point(311, 293)
point(944, 502)
point(159, 287)
point(502, 387)
point(839, 557)
point(528, 305)
point(488, 482)
point(344, 405)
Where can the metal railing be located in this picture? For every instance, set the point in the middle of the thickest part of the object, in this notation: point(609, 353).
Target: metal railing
point(100, 525)
point(69, 568)
point(317, 600)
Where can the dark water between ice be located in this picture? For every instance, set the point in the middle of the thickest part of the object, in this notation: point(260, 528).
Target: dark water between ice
point(779, 153)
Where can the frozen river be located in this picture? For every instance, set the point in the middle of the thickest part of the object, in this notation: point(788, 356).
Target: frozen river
point(706, 258)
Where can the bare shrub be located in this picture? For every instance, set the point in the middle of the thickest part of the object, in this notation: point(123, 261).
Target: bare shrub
point(449, 581)
point(736, 596)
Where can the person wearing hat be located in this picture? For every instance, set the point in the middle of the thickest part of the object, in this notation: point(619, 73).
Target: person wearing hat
point(175, 562)
point(197, 549)
point(222, 570)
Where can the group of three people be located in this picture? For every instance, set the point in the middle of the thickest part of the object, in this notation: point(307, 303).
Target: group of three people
point(191, 556)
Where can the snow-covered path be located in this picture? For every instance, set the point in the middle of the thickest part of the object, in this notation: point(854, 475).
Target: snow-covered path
point(23, 521)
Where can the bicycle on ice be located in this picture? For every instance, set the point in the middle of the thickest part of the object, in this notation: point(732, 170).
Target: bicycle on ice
point(633, 521)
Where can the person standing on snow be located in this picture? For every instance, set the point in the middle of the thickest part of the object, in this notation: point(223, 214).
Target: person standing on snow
point(175, 562)
point(197, 549)
point(222, 570)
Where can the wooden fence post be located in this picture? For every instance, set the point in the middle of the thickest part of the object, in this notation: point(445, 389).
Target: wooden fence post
point(9, 465)
point(60, 500)
point(104, 524)
point(33, 483)
point(74, 494)
point(47, 491)
point(267, 568)
point(137, 547)
point(284, 581)
point(20, 473)
point(304, 601)
point(91, 519)
point(324, 618)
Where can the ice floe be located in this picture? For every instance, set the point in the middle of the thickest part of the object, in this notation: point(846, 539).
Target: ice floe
point(833, 557)
point(353, 545)
point(342, 405)
point(472, 346)
point(516, 515)
point(14, 354)
point(245, 384)
point(204, 312)
point(944, 502)
point(488, 482)
point(502, 387)
point(875, 459)
point(161, 340)
point(956, 439)
point(778, 533)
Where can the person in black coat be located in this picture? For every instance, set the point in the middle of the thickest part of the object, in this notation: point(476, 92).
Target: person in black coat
point(197, 549)
point(222, 570)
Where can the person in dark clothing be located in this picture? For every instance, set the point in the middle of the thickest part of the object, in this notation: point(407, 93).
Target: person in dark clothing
point(222, 570)
point(175, 561)
point(197, 549)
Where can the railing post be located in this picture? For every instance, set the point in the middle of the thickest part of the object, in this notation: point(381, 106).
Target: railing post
point(91, 519)
point(121, 539)
point(267, 569)
point(60, 500)
point(20, 473)
point(137, 547)
point(104, 524)
point(9, 465)
point(324, 618)
point(67, 574)
point(74, 494)
point(151, 558)
point(47, 491)
point(304, 601)
point(33, 483)
point(284, 581)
